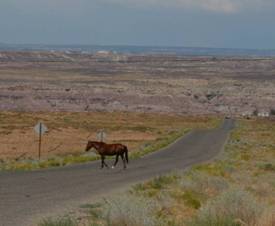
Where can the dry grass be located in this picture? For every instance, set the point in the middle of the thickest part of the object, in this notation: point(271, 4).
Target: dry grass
point(64, 221)
point(238, 189)
point(130, 211)
point(203, 193)
point(69, 132)
point(233, 207)
point(267, 218)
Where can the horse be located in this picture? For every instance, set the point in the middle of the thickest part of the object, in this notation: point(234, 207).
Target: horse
point(104, 149)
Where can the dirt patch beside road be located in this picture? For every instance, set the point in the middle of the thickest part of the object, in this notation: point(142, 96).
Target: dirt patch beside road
point(69, 132)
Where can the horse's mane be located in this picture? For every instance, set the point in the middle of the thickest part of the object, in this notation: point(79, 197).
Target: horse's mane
point(98, 142)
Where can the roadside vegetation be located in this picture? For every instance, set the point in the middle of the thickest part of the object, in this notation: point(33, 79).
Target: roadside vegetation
point(236, 189)
point(64, 221)
point(68, 134)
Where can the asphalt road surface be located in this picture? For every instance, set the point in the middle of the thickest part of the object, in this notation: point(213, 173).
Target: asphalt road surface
point(26, 197)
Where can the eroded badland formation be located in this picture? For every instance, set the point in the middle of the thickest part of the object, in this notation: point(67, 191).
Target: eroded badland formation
point(71, 81)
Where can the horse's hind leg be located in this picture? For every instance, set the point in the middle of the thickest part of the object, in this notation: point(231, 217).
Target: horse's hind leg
point(115, 161)
point(124, 161)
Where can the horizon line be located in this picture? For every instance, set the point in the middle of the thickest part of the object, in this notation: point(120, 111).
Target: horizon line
point(137, 45)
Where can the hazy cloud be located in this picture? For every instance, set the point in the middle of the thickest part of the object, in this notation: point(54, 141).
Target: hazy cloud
point(227, 6)
point(224, 6)
point(213, 23)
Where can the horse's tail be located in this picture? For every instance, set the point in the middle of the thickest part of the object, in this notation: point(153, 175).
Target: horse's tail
point(126, 154)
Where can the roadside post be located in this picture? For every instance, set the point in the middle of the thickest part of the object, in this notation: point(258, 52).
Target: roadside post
point(40, 129)
point(101, 136)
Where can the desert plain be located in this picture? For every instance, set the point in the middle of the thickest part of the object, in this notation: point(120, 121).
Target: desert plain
point(137, 99)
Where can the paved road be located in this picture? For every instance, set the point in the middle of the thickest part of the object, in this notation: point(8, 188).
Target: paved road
point(26, 196)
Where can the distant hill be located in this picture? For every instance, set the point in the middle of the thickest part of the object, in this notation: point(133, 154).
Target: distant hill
point(188, 51)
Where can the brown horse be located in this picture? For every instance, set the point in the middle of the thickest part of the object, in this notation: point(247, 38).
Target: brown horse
point(104, 149)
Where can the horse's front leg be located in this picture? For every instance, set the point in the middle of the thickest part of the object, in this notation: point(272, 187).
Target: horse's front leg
point(115, 162)
point(102, 161)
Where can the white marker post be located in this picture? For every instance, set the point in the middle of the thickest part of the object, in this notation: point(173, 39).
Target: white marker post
point(40, 129)
point(101, 136)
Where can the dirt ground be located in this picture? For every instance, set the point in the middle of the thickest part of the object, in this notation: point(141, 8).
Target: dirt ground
point(145, 86)
point(69, 132)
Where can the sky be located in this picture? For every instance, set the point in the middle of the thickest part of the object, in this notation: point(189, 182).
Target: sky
point(189, 23)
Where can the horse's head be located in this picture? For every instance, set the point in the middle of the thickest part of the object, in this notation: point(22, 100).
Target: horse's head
point(90, 145)
point(93, 144)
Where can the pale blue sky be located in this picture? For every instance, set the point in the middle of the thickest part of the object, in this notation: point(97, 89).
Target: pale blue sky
point(190, 23)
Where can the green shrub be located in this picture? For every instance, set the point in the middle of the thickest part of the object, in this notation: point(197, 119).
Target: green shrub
point(64, 221)
point(267, 167)
point(191, 199)
point(218, 168)
point(162, 181)
point(201, 182)
point(232, 208)
point(129, 210)
point(155, 186)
